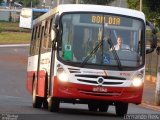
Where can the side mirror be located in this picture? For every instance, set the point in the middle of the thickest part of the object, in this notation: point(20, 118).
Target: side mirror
point(149, 50)
point(158, 50)
point(153, 45)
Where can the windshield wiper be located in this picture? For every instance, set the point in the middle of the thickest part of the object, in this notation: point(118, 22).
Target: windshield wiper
point(115, 53)
point(91, 53)
point(97, 47)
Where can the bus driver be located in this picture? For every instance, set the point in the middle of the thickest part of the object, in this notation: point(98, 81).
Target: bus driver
point(120, 45)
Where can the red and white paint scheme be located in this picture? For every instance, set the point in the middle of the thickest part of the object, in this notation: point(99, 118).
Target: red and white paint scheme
point(73, 57)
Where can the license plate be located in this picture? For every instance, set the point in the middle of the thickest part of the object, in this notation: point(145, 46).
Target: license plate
point(100, 89)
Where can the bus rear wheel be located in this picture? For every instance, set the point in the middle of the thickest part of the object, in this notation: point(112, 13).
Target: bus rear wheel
point(36, 101)
point(121, 108)
point(53, 104)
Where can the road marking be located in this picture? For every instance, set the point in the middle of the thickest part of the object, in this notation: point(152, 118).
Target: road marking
point(14, 45)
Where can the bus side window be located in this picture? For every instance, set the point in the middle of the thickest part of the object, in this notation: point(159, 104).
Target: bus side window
point(33, 41)
point(39, 31)
point(37, 45)
point(49, 37)
point(31, 44)
point(42, 39)
point(44, 34)
point(46, 41)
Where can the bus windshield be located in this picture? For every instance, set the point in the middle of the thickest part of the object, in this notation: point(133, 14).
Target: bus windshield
point(102, 39)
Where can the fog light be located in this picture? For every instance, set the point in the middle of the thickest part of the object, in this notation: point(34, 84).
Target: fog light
point(62, 75)
point(137, 81)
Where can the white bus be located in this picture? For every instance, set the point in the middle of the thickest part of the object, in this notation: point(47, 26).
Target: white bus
point(70, 61)
point(27, 16)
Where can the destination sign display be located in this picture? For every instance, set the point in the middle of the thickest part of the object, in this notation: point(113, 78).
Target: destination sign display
point(106, 19)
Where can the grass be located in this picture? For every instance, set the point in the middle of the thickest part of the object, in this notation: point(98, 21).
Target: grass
point(11, 33)
point(14, 37)
point(11, 26)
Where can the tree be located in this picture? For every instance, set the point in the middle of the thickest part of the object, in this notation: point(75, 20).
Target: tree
point(98, 2)
point(1, 1)
point(133, 4)
point(151, 9)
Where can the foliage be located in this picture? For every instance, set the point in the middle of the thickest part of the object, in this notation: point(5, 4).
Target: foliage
point(98, 2)
point(151, 9)
point(133, 4)
point(1, 1)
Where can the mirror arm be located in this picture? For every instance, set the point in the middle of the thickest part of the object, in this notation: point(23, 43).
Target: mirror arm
point(154, 37)
point(158, 50)
point(149, 50)
point(154, 30)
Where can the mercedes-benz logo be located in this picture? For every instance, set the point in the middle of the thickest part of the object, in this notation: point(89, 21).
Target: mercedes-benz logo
point(100, 80)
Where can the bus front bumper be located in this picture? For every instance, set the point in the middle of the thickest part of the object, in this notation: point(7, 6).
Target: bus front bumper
point(66, 90)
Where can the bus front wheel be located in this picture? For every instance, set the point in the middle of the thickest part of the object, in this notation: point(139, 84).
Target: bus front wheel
point(53, 104)
point(103, 107)
point(93, 106)
point(121, 108)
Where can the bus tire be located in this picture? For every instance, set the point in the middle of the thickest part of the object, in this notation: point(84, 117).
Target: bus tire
point(53, 104)
point(103, 107)
point(93, 106)
point(36, 100)
point(45, 104)
point(121, 108)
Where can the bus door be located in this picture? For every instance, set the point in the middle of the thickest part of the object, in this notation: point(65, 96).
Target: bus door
point(44, 58)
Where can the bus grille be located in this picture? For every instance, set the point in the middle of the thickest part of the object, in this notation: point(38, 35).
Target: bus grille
point(99, 93)
point(73, 70)
point(104, 83)
point(105, 77)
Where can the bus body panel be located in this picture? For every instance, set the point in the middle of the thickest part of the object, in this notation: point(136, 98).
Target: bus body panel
point(30, 77)
point(43, 70)
point(41, 83)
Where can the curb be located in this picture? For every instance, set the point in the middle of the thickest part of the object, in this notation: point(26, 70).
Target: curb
point(153, 107)
point(14, 45)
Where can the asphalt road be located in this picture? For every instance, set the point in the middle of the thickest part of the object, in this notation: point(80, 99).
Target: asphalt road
point(15, 101)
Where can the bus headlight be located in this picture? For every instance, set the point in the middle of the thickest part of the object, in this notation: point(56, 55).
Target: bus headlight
point(62, 75)
point(137, 81)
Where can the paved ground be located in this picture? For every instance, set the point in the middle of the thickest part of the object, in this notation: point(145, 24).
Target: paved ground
point(149, 95)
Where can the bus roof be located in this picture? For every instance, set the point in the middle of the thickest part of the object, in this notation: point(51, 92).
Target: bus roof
point(93, 8)
point(100, 8)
